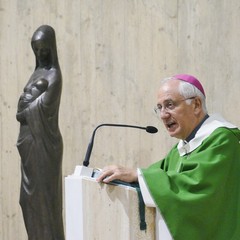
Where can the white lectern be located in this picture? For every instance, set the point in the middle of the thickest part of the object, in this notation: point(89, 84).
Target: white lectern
point(103, 211)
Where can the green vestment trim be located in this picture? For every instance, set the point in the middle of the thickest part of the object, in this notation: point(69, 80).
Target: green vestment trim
point(198, 194)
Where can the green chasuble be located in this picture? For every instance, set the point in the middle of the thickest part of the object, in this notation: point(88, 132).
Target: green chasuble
point(198, 192)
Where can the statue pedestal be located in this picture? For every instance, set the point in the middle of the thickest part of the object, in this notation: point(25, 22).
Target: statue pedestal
point(103, 211)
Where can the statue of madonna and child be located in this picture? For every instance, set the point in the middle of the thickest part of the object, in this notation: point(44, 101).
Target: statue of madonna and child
point(40, 142)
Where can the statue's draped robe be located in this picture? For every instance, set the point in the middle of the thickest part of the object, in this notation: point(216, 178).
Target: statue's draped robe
point(196, 187)
point(40, 147)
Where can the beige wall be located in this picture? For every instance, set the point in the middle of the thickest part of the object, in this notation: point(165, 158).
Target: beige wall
point(112, 54)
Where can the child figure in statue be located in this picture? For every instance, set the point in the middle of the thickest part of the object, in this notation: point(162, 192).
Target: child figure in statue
point(29, 95)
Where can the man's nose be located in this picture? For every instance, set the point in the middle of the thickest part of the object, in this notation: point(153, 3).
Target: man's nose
point(164, 114)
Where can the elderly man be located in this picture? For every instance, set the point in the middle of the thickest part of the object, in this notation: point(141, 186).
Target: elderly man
point(196, 187)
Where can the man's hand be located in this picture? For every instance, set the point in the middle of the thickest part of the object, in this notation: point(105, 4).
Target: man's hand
point(114, 172)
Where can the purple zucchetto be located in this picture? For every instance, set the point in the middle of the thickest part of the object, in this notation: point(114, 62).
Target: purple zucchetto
point(192, 80)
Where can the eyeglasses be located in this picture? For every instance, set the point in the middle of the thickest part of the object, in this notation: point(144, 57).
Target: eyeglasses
point(169, 105)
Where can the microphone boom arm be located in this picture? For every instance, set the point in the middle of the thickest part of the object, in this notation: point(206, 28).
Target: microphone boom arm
point(149, 129)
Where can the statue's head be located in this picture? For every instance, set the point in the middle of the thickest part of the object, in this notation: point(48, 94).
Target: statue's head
point(44, 46)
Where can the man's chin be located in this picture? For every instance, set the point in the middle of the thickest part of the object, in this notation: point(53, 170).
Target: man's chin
point(173, 134)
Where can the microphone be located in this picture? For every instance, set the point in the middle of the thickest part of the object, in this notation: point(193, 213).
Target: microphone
point(149, 129)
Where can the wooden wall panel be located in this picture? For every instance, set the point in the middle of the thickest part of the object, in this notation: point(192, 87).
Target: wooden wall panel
point(112, 54)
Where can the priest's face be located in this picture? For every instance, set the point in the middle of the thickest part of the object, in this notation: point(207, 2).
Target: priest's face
point(179, 115)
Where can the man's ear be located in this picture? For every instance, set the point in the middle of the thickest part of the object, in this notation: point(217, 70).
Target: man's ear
point(197, 105)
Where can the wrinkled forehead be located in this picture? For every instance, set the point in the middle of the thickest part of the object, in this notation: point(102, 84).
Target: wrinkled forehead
point(168, 91)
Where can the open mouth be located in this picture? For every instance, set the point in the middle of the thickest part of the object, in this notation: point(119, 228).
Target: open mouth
point(170, 125)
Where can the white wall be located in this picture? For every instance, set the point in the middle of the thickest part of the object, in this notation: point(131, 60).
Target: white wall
point(112, 54)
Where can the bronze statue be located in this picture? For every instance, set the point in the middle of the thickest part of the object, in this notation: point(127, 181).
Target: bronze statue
point(40, 142)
